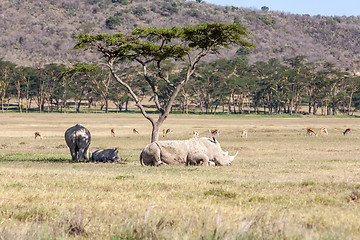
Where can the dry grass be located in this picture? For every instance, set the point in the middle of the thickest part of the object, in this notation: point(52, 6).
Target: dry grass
point(283, 185)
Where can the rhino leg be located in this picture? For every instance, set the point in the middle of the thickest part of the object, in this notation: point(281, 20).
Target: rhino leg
point(198, 158)
point(73, 154)
point(81, 154)
point(86, 153)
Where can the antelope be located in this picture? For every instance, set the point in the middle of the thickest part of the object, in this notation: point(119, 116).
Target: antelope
point(167, 131)
point(38, 134)
point(310, 131)
point(135, 131)
point(347, 131)
point(324, 130)
point(113, 132)
point(214, 132)
point(244, 134)
point(195, 133)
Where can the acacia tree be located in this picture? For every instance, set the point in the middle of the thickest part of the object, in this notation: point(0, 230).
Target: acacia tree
point(352, 85)
point(6, 69)
point(152, 47)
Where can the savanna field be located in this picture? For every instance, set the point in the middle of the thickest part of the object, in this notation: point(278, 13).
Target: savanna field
point(282, 184)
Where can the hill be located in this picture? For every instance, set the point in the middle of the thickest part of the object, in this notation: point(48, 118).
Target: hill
point(36, 31)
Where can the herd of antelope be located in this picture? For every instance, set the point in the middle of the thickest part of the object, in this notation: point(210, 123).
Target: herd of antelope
point(216, 132)
point(324, 131)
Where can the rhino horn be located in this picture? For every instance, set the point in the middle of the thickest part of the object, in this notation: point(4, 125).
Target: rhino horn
point(233, 157)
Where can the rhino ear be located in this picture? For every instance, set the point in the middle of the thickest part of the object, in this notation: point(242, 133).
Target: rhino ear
point(213, 140)
point(115, 149)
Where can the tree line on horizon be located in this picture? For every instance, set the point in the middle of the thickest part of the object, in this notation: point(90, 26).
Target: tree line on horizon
point(228, 86)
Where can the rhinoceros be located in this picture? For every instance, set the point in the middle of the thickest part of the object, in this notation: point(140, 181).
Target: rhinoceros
point(78, 139)
point(195, 151)
point(105, 155)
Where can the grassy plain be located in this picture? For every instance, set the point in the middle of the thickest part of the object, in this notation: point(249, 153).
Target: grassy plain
point(282, 185)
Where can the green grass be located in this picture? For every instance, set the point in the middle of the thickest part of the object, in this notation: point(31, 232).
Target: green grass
point(282, 185)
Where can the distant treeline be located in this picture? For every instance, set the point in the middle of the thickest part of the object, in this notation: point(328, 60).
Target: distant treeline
point(231, 86)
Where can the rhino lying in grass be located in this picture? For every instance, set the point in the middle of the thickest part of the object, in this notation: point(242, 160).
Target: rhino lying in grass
point(78, 139)
point(195, 151)
point(105, 155)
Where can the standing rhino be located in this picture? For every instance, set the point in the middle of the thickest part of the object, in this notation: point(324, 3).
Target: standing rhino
point(78, 139)
point(195, 151)
point(105, 155)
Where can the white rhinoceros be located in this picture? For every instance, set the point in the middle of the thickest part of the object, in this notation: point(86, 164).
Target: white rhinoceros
point(195, 151)
point(105, 155)
point(78, 139)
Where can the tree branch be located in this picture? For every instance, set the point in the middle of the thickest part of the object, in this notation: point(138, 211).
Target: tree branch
point(132, 93)
point(166, 79)
point(154, 88)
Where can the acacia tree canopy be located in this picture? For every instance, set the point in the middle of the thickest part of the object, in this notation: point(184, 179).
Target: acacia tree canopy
point(153, 46)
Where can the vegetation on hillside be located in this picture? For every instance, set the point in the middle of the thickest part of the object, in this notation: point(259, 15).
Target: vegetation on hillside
point(33, 32)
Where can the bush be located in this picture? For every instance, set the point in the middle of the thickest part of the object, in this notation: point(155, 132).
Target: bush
point(123, 2)
point(268, 20)
point(113, 21)
point(243, 51)
point(138, 11)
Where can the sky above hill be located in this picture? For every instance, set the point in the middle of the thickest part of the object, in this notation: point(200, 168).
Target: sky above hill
point(312, 7)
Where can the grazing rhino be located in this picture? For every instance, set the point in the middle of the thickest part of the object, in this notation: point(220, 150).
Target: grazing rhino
point(105, 155)
point(78, 139)
point(195, 151)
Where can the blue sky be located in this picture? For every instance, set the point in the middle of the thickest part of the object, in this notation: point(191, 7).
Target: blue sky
point(312, 7)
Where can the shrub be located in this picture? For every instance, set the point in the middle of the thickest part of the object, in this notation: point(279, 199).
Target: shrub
point(138, 11)
point(113, 21)
point(123, 2)
point(268, 20)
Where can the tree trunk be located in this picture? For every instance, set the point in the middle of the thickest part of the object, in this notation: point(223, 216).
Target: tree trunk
point(155, 132)
point(106, 105)
point(78, 106)
point(314, 108)
point(216, 106)
point(350, 102)
point(229, 105)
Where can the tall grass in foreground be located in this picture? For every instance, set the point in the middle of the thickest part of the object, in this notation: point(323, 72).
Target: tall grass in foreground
point(283, 185)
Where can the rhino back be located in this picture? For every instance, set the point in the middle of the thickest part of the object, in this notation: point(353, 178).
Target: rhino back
point(77, 136)
point(176, 152)
point(83, 138)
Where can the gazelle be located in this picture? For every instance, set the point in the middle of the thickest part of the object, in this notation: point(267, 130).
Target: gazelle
point(324, 130)
point(310, 131)
point(38, 134)
point(347, 131)
point(167, 131)
point(113, 133)
point(214, 132)
point(195, 133)
point(244, 134)
point(135, 131)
